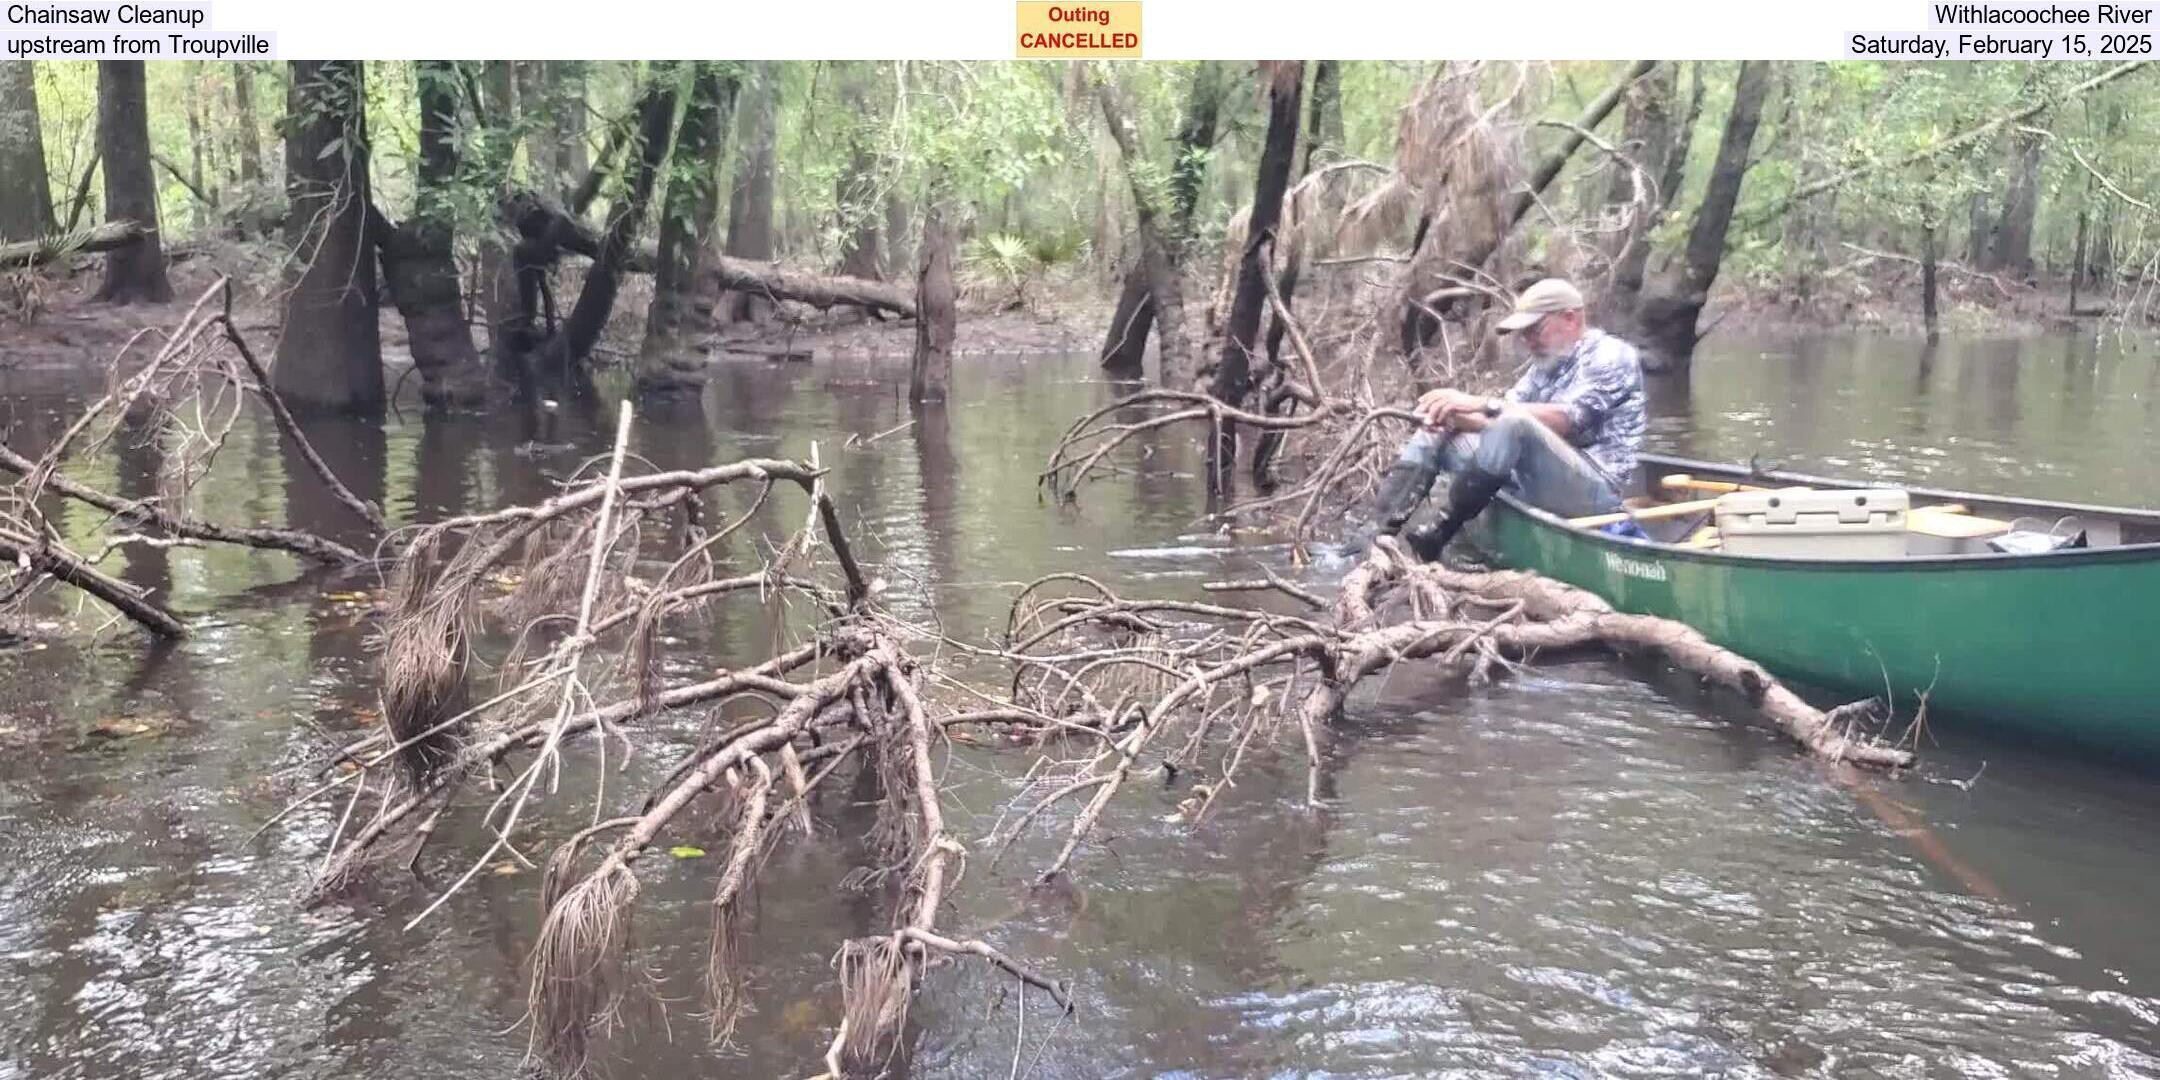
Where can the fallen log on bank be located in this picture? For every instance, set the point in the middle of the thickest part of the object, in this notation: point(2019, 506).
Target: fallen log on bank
point(110, 236)
point(768, 280)
point(821, 291)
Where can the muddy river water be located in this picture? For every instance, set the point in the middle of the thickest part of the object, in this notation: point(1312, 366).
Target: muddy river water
point(1584, 871)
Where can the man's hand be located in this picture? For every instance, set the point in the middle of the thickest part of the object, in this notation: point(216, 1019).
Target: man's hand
point(1447, 408)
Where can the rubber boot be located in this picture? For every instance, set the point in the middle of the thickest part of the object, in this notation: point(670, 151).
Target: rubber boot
point(1468, 495)
point(1402, 488)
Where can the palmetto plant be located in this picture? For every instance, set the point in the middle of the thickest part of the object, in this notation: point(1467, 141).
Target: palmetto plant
point(1003, 265)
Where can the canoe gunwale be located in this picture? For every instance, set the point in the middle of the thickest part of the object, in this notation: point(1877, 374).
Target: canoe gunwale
point(1666, 463)
point(2063, 558)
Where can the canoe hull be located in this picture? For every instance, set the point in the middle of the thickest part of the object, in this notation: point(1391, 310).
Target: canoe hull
point(2062, 647)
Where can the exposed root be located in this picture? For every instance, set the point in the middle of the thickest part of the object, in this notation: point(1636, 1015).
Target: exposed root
point(724, 975)
point(577, 961)
point(426, 649)
point(874, 991)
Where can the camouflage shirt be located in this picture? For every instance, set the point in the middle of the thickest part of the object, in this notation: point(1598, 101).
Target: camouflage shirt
point(1600, 382)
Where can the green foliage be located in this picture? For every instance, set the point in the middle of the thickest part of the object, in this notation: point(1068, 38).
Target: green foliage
point(1001, 262)
point(1014, 153)
point(1058, 247)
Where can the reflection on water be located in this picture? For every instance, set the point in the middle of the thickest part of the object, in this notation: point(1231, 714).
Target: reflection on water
point(1580, 872)
point(2066, 417)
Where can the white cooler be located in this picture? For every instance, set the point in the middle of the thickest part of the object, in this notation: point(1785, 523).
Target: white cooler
point(1862, 524)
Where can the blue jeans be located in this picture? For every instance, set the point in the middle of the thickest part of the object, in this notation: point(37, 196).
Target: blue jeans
point(1542, 469)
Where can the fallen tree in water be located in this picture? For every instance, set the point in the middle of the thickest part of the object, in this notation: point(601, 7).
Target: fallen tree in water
point(522, 654)
point(184, 400)
point(1191, 687)
point(1197, 686)
point(599, 570)
point(588, 610)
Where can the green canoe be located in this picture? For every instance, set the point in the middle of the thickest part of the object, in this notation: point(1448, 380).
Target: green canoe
point(2062, 646)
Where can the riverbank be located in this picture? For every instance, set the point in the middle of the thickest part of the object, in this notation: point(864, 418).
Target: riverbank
point(49, 319)
point(1889, 301)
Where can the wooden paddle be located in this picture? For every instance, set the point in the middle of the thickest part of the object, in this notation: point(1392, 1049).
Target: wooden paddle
point(1660, 512)
point(1667, 511)
point(1687, 482)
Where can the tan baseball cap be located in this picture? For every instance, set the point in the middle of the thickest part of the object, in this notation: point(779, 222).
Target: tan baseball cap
point(1547, 296)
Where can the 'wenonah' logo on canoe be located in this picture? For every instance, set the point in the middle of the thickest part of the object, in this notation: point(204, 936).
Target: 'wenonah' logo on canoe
point(1634, 568)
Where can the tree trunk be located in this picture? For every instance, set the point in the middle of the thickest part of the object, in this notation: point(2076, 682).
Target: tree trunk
point(1667, 316)
point(250, 211)
point(1981, 230)
point(2098, 265)
point(821, 291)
point(2012, 250)
point(1324, 141)
point(418, 258)
point(136, 272)
point(1138, 305)
point(1196, 136)
point(668, 362)
point(1650, 133)
point(81, 199)
point(856, 193)
point(1110, 259)
point(2100, 251)
point(1157, 251)
point(566, 114)
point(936, 317)
point(542, 152)
point(1683, 141)
point(206, 197)
point(549, 226)
point(1324, 131)
point(510, 331)
point(1806, 233)
point(1233, 372)
point(251, 159)
point(26, 209)
point(1125, 351)
point(561, 359)
point(551, 96)
point(2077, 247)
point(330, 357)
point(580, 196)
point(139, 460)
point(1928, 244)
point(750, 203)
point(896, 230)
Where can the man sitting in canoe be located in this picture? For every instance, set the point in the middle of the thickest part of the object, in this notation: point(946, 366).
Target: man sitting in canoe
point(1564, 438)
